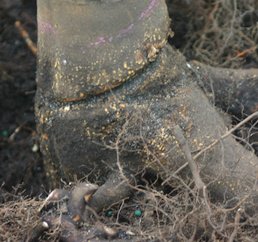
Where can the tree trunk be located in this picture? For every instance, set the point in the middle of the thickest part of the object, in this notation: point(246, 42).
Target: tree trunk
point(133, 122)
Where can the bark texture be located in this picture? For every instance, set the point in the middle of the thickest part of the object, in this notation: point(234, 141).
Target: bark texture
point(129, 128)
point(235, 91)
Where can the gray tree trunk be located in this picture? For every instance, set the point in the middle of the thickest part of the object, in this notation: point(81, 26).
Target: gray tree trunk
point(152, 119)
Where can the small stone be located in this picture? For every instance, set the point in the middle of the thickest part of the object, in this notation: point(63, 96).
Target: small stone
point(110, 232)
point(35, 148)
point(45, 225)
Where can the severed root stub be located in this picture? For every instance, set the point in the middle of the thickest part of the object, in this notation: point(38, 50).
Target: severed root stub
point(78, 209)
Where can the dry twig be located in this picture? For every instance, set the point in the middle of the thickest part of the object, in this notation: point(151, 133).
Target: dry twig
point(185, 148)
point(229, 132)
point(25, 35)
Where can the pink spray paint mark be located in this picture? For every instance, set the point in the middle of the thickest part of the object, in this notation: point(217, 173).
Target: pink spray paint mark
point(99, 41)
point(147, 12)
point(125, 31)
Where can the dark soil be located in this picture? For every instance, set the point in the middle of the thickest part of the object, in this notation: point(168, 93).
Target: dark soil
point(18, 163)
point(20, 159)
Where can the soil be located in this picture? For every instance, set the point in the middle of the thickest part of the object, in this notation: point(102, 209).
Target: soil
point(21, 166)
point(20, 160)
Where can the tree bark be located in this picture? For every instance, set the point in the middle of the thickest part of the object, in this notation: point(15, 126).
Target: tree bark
point(235, 91)
point(130, 127)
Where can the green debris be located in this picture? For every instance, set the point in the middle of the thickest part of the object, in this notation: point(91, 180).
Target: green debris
point(109, 213)
point(138, 213)
point(4, 133)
